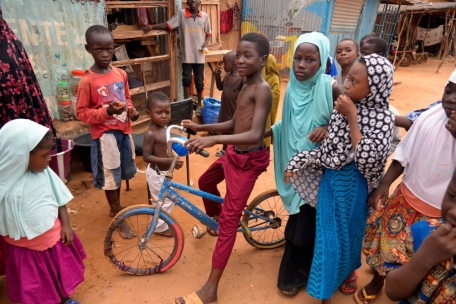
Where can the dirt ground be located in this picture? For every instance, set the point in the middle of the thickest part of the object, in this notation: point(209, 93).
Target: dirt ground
point(251, 274)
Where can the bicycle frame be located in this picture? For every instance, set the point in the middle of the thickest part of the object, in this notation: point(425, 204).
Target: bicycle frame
point(167, 191)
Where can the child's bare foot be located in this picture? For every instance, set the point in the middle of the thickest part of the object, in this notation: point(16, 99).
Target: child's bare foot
point(205, 295)
point(168, 233)
point(125, 231)
point(111, 212)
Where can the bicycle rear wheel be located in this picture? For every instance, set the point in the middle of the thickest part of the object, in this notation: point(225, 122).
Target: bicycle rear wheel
point(268, 234)
point(138, 256)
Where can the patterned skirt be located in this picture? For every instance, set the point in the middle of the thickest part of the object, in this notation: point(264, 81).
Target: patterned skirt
point(384, 228)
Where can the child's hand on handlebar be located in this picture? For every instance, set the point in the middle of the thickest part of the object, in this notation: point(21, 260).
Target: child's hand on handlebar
point(187, 123)
point(199, 143)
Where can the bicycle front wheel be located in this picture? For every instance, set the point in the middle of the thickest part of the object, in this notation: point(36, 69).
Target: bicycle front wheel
point(137, 255)
point(266, 234)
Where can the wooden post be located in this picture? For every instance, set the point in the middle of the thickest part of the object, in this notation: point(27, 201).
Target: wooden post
point(444, 51)
point(172, 50)
point(399, 37)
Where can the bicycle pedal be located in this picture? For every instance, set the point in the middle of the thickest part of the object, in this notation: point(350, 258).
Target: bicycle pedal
point(197, 232)
point(246, 229)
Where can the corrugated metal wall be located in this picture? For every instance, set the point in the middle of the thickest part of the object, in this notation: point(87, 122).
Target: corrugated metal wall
point(284, 21)
point(52, 32)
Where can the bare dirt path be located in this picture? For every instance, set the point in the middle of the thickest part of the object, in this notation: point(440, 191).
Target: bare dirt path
point(251, 274)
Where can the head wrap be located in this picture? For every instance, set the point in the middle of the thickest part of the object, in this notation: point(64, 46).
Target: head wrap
point(306, 105)
point(28, 200)
point(376, 124)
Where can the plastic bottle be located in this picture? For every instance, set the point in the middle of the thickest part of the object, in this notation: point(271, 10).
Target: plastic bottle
point(76, 76)
point(65, 110)
point(62, 91)
point(73, 105)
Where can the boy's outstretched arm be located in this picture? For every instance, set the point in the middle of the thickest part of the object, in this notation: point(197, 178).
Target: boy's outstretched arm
point(222, 127)
point(159, 26)
point(263, 102)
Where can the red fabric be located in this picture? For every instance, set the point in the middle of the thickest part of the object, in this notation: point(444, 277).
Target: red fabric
point(226, 20)
point(2, 255)
point(240, 172)
point(95, 93)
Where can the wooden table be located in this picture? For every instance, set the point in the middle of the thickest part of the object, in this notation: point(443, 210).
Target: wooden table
point(214, 58)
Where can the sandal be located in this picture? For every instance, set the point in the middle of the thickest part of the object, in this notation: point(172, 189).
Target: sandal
point(291, 292)
point(366, 299)
point(220, 153)
point(346, 288)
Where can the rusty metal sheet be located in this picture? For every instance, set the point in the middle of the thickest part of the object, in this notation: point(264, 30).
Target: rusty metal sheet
point(52, 33)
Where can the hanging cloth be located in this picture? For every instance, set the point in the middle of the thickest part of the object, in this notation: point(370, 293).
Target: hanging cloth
point(226, 20)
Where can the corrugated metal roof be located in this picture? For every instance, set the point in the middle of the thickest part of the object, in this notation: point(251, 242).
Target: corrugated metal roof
point(52, 33)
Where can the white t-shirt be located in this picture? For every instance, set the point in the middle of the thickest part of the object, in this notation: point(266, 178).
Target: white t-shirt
point(428, 155)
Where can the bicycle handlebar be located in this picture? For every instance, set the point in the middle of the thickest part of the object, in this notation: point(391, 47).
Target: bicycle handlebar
point(170, 139)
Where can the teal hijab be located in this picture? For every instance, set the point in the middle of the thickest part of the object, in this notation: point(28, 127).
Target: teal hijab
point(306, 106)
point(29, 201)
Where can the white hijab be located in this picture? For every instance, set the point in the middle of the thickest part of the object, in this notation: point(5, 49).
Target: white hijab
point(29, 201)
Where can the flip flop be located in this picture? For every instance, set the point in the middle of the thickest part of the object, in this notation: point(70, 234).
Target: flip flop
point(192, 299)
point(352, 290)
point(291, 292)
point(220, 153)
point(368, 299)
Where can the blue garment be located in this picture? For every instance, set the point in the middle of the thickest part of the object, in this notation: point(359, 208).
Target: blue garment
point(415, 114)
point(306, 105)
point(333, 68)
point(341, 218)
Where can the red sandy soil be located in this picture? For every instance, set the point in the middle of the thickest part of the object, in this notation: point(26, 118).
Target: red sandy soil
point(251, 274)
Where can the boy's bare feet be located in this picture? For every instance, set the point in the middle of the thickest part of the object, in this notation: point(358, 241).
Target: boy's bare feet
point(168, 233)
point(112, 213)
point(125, 231)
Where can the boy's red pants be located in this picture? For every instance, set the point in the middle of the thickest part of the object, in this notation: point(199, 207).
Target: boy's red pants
point(240, 172)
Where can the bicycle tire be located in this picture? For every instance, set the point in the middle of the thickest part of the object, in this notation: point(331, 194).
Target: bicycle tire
point(162, 252)
point(268, 238)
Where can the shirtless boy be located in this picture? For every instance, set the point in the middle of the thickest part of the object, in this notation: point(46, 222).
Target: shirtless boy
point(246, 157)
point(155, 151)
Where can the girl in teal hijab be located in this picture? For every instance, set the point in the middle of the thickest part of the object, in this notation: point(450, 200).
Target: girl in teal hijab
point(307, 108)
point(44, 256)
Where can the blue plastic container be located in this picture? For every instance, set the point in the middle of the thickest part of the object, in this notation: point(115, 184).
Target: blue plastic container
point(211, 110)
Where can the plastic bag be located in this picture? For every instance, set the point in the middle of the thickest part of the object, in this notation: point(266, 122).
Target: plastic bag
point(211, 110)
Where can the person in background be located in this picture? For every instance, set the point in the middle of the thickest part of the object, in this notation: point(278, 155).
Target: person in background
point(346, 55)
point(196, 33)
point(272, 77)
point(231, 86)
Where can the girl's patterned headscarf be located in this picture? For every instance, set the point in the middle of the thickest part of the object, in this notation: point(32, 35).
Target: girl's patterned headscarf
point(376, 124)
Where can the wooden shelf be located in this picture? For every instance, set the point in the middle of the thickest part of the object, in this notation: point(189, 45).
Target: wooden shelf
point(150, 87)
point(137, 34)
point(136, 4)
point(141, 60)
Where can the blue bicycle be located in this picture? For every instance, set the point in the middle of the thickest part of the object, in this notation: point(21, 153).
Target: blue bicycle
point(262, 224)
